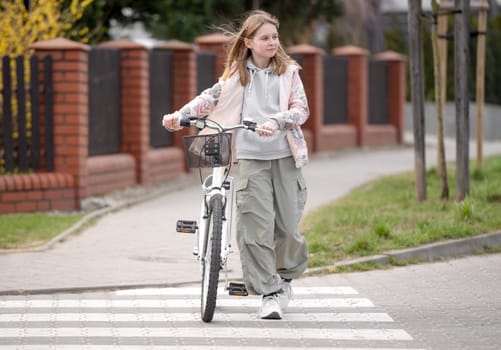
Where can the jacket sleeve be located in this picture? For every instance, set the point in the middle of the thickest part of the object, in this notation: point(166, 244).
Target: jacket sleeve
point(204, 103)
point(298, 111)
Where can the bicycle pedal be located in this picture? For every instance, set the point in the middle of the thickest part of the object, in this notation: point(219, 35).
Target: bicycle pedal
point(237, 289)
point(186, 226)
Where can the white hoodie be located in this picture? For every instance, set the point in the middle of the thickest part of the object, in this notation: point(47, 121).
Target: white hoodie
point(260, 101)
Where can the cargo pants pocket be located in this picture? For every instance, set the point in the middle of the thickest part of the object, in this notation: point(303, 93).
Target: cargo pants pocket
point(302, 194)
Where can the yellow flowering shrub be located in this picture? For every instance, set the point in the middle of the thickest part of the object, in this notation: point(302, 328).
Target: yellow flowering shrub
point(19, 28)
point(45, 19)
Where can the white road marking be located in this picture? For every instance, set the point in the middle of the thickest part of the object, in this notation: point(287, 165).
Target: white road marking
point(176, 347)
point(184, 317)
point(179, 303)
point(312, 314)
point(196, 291)
point(213, 332)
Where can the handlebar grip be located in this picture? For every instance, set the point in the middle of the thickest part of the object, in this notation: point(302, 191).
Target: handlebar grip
point(185, 123)
point(266, 131)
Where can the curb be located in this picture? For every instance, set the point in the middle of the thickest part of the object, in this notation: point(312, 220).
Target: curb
point(92, 289)
point(453, 248)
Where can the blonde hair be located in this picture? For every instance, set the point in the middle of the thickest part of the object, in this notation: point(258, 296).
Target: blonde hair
point(236, 61)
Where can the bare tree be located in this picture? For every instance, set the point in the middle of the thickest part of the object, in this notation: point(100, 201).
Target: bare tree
point(361, 24)
point(374, 27)
point(417, 95)
point(441, 163)
point(461, 55)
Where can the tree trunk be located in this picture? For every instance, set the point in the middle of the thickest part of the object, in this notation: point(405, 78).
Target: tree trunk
point(441, 162)
point(417, 96)
point(482, 27)
point(461, 58)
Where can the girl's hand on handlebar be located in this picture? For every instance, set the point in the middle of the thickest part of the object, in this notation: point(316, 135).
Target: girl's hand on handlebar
point(171, 121)
point(269, 125)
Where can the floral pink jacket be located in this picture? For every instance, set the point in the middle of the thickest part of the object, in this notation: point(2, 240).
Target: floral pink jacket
point(223, 103)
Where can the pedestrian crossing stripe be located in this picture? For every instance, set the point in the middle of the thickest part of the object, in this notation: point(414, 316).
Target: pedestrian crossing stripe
point(174, 347)
point(196, 291)
point(213, 332)
point(171, 316)
point(179, 303)
point(184, 317)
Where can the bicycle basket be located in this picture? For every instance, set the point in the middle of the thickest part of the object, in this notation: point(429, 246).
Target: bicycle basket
point(207, 151)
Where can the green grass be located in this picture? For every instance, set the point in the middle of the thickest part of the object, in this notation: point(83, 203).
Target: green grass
point(21, 231)
point(384, 215)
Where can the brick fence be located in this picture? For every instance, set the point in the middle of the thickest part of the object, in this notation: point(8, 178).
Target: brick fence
point(77, 175)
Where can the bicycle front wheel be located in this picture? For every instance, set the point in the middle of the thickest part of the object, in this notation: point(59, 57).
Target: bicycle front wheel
point(211, 262)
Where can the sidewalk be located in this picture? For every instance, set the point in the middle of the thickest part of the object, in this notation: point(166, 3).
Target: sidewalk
point(138, 245)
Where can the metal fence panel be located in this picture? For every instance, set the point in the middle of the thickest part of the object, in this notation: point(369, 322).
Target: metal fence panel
point(206, 68)
point(160, 96)
point(104, 101)
point(378, 92)
point(7, 120)
point(335, 90)
point(22, 141)
point(20, 146)
point(35, 113)
point(49, 113)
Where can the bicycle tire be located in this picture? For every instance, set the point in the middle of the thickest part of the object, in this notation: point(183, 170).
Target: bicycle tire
point(211, 262)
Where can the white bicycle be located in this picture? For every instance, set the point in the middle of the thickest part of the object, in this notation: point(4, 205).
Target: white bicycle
point(214, 226)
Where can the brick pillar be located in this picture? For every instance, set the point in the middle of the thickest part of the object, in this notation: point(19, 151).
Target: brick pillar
point(358, 80)
point(217, 43)
point(184, 72)
point(71, 125)
point(312, 77)
point(184, 80)
point(134, 105)
point(396, 89)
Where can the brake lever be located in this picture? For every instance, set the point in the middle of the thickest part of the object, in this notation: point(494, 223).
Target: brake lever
point(250, 124)
point(199, 123)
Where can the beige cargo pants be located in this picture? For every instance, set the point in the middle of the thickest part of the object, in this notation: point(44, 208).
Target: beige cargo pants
point(270, 199)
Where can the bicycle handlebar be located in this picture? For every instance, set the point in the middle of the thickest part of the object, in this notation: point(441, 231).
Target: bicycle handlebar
point(202, 123)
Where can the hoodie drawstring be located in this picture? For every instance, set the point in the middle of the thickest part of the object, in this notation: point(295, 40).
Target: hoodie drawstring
point(267, 75)
point(252, 73)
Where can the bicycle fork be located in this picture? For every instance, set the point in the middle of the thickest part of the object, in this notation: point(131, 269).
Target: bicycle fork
point(216, 183)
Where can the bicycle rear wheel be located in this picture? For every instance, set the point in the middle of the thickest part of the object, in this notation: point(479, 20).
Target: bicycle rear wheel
point(211, 262)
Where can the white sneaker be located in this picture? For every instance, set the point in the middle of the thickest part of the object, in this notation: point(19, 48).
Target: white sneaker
point(270, 309)
point(285, 294)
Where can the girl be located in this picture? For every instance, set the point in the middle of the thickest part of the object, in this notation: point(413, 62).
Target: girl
point(262, 82)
